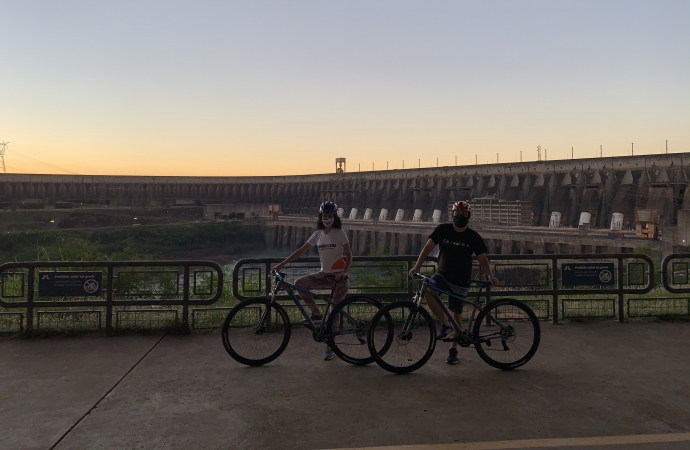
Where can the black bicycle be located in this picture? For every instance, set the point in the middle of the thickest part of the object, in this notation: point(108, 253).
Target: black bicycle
point(505, 332)
point(257, 330)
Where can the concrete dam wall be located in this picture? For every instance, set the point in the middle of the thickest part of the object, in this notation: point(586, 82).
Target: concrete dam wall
point(600, 186)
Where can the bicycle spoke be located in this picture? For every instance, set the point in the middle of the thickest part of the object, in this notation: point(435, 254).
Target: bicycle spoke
point(251, 342)
point(515, 341)
point(347, 328)
point(408, 351)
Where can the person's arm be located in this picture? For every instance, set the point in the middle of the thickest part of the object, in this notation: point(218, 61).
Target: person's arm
point(348, 261)
point(486, 268)
point(428, 247)
point(297, 254)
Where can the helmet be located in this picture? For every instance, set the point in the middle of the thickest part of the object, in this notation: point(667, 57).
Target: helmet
point(328, 207)
point(462, 206)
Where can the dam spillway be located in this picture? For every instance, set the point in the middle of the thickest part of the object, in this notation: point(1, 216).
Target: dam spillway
point(598, 186)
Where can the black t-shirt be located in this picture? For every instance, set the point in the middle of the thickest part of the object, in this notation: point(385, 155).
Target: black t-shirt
point(455, 252)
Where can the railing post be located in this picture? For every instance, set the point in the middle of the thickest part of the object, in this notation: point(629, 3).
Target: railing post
point(620, 315)
point(267, 279)
point(185, 300)
point(554, 287)
point(30, 301)
point(109, 301)
point(409, 285)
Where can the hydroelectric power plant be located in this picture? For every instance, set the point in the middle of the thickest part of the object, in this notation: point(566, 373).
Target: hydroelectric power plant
point(595, 205)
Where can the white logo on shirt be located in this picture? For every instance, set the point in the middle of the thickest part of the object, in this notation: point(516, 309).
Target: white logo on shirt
point(459, 244)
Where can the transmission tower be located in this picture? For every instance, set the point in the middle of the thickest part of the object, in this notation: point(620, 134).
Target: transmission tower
point(3, 147)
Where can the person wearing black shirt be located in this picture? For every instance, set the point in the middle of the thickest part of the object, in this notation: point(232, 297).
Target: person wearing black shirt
point(457, 243)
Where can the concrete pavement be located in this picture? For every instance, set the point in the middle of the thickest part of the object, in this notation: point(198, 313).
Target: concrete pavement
point(587, 380)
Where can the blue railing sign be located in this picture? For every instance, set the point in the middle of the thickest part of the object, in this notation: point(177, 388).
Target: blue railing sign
point(70, 284)
point(588, 274)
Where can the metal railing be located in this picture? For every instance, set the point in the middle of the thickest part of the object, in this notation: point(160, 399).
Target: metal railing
point(124, 284)
point(522, 276)
point(161, 294)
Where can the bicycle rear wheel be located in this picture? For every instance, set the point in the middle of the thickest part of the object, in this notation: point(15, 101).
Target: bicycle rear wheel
point(253, 343)
point(402, 337)
point(350, 320)
point(514, 342)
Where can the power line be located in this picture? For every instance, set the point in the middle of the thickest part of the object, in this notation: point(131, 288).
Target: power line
point(38, 161)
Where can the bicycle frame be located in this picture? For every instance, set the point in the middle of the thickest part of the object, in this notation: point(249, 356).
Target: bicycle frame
point(281, 283)
point(429, 283)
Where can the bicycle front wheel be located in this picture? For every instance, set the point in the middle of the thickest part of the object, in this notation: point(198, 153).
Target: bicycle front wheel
point(256, 331)
point(402, 337)
point(512, 343)
point(347, 327)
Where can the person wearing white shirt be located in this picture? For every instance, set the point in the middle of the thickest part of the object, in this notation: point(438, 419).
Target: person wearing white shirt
point(336, 257)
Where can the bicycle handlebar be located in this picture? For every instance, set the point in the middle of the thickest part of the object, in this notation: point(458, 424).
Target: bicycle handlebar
point(281, 276)
point(419, 276)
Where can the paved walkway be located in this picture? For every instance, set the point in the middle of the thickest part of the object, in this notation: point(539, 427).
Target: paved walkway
point(608, 383)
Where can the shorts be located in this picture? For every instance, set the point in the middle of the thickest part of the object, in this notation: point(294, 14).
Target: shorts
point(454, 304)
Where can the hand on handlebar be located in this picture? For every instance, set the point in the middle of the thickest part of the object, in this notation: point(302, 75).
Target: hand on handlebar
point(413, 272)
point(494, 281)
point(340, 276)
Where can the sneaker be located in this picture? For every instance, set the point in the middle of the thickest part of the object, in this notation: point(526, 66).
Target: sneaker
point(452, 356)
point(328, 355)
point(316, 318)
point(446, 332)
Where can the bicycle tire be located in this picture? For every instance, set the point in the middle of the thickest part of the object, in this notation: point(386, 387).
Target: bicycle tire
point(352, 348)
point(241, 339)
point(402, 355)
point(510, 345)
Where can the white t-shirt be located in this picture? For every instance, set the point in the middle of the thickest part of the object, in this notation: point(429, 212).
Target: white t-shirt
point(330, 249)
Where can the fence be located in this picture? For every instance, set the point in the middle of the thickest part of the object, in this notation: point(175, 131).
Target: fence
point(78, 296)
point(186, 294)
point(535, 279)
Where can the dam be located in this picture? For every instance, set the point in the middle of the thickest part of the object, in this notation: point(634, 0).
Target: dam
point(595, 188)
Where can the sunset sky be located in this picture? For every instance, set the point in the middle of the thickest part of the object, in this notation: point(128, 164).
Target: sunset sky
point(285, 87)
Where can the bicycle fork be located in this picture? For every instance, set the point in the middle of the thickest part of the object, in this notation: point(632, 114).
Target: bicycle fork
point(407, 327)
point(266, 314)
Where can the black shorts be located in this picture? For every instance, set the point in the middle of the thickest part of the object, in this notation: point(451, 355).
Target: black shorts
point(454, 304)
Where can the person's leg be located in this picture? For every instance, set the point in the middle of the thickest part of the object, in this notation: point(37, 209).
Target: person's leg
point(339, 293)
point(311, 282)
point(458, 319)
point(432, 302)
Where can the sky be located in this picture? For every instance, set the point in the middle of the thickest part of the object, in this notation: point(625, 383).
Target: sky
point(238, 88)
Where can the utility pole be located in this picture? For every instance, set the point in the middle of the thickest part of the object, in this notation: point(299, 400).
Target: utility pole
point(632, 149)
point(545, 158)
point(538, 152)
point(601, 151)
point(667, 146)
point(572, 152)
point(3, 148)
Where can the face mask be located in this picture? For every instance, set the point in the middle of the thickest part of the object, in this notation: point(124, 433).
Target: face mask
point(327, 223)
point(460, 221)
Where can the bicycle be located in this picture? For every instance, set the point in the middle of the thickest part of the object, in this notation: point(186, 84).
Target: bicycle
point(257, 330)
point(516, 339)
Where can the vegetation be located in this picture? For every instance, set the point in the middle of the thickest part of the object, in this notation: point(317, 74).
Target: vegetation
point(138, 243)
